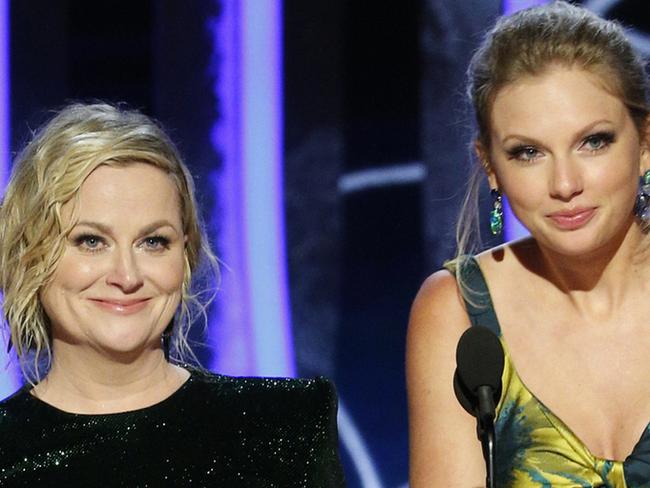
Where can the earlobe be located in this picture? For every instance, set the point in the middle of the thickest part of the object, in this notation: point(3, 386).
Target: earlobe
point(644, 163)
point(492, 181)
point(484, 157)
point(644, 160)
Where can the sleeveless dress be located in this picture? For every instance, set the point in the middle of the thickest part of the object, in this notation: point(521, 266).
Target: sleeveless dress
point(534, 448)
point(216, 431)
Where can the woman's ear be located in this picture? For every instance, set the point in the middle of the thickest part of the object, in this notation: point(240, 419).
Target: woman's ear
point(483, 155)
point(644, 162)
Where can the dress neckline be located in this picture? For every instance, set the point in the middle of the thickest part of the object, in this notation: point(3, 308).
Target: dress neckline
point(553, 418)
point(26, 392)
point(556, 421)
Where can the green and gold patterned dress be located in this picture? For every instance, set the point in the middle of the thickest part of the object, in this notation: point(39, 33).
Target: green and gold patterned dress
point(534, 448)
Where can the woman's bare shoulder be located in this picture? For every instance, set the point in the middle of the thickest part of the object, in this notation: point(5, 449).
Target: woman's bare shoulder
point(439, 301)
point(443, 447)
point(437, 321)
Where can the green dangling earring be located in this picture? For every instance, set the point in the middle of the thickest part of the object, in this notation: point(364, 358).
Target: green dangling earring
point(496, 215)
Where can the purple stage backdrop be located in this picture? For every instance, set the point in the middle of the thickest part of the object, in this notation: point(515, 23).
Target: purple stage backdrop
point(329, 144)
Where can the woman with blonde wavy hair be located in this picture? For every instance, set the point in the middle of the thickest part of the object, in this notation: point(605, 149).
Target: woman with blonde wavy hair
point(102, 260)
point(561, 106)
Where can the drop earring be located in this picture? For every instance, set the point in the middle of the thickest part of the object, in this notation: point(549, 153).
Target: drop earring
point(642, 204)
point(496, 215)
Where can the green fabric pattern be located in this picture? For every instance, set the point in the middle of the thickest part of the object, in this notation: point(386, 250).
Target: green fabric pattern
point(534, 448)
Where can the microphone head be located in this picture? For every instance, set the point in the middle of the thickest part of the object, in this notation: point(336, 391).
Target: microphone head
point(479, 362)
point(465, 397)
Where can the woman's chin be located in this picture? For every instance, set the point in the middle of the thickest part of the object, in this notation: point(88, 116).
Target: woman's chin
point(126, 348)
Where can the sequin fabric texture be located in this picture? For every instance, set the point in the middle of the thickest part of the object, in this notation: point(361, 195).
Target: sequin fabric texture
point(215, 430)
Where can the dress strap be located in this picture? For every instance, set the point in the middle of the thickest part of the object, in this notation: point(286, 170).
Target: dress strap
point(476, 294)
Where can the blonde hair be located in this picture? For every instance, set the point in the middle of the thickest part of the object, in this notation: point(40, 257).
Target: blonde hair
point(526, 44)
point(46, 175)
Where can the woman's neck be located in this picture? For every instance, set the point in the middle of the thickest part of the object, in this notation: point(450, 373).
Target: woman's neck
point(600, 280)
point(83, 381)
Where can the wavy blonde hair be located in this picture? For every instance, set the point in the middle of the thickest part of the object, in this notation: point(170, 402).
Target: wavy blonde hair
point(526, 44)
point(46, 175)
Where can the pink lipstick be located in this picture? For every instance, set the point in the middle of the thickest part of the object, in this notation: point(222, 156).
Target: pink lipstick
point(121, 307)
point(572, 219)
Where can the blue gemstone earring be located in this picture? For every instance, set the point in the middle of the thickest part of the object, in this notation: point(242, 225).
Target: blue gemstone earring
point(642, 205)
point(496, 215)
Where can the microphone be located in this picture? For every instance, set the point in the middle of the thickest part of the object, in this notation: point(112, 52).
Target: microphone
point(477, 384)
point(479, 366)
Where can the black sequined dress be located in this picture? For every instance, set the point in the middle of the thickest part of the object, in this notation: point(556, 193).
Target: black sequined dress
point(215, 430)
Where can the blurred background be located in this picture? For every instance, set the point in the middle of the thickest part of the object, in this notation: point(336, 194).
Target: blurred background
point(329, 141)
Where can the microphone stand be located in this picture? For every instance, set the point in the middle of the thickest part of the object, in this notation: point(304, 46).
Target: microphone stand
point(485, 430)
point(477, 385)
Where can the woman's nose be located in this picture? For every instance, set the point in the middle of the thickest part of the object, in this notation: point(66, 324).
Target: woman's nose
point(125, 273)
point(566, 180)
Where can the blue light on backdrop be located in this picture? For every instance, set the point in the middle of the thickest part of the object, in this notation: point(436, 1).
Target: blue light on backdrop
point(5, 79)
point(9, 373)
point(251, 332)
point(511, 6)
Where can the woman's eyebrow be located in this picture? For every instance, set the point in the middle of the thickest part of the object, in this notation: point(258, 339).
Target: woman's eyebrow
point(579, 133)
point(157, 225)
point(106, 229)
point(97, 225)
